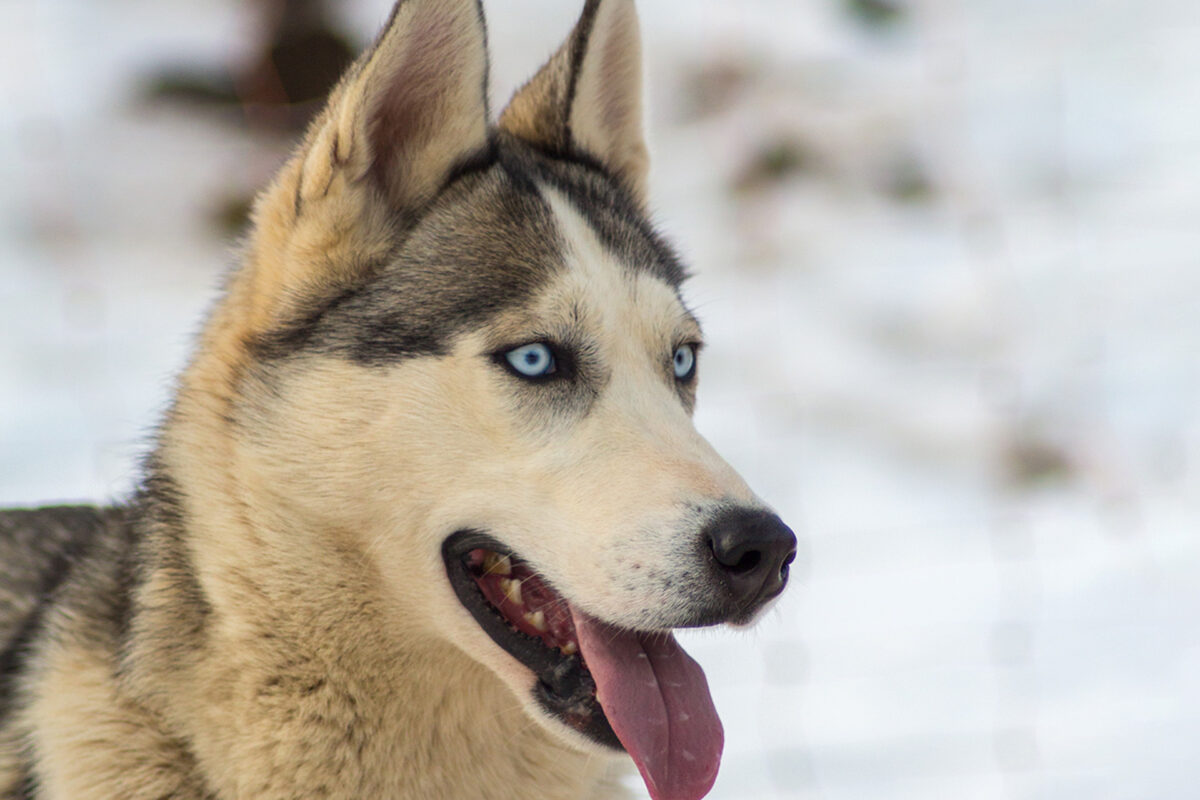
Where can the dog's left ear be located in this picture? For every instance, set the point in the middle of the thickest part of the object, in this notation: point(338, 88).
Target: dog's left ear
point(588, 98)
point(410, 109)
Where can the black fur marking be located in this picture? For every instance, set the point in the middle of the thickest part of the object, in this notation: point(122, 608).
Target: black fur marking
point(384, 341)
point(27, 784)
point(487, 242)
point(473, 163)
point(297, 199)
point(295, 335)
point(607, 206)
point(126, 578)
point(579, 47)
point(13, 659)
point(159, 512)
point(71, 531)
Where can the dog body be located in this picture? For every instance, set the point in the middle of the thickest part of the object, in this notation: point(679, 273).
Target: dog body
point(454, 363)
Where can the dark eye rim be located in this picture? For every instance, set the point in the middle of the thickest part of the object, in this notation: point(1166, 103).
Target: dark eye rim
point(691, 373)
point(564, 362)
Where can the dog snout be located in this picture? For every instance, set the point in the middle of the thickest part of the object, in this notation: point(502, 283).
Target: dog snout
point(752, 550)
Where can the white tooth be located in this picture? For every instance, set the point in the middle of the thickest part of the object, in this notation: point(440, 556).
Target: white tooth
point(512, 590)
point(570, 649)
point(537, 619)
point(496, 564)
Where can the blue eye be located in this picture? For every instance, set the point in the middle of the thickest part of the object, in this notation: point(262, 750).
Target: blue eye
point(684, 361)
point(532, 360)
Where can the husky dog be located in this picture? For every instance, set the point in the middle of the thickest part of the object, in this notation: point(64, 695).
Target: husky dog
point(428, 501)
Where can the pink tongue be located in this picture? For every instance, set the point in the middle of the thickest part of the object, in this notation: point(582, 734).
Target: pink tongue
point(657, 701)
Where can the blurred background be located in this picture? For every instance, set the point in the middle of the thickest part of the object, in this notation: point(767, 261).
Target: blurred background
point(948, 258)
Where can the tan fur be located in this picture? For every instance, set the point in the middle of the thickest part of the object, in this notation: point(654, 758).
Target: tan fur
point(334, 659)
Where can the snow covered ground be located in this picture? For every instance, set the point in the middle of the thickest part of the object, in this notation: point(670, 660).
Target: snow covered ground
point(949, 265)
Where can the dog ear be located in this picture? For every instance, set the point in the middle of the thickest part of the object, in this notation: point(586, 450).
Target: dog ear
point(412, 108)
point(408, 112)
point(588, 97)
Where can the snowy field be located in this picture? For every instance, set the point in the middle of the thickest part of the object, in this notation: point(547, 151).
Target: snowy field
point(949, 266)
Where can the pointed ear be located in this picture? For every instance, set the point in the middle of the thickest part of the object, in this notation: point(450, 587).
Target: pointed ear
point(415, 105)
point(588, 97)
point(409, 112)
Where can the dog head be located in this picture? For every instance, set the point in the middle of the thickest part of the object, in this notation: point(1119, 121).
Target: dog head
point(466, 344)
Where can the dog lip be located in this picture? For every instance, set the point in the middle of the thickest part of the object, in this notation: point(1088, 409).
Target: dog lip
point(461, 542)
point(564, 686)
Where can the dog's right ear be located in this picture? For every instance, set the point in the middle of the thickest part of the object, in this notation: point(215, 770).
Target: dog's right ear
point(587, 100)
point(409, 112)
point(411, 109)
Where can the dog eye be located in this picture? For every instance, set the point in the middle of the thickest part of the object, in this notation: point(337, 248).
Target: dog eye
point(532, 360)
point(684, 361)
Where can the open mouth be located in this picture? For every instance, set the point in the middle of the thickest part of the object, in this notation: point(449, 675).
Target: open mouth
point(532, 622)
point(632, 690)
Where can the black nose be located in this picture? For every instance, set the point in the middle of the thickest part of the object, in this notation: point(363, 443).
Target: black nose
point(752, 549)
